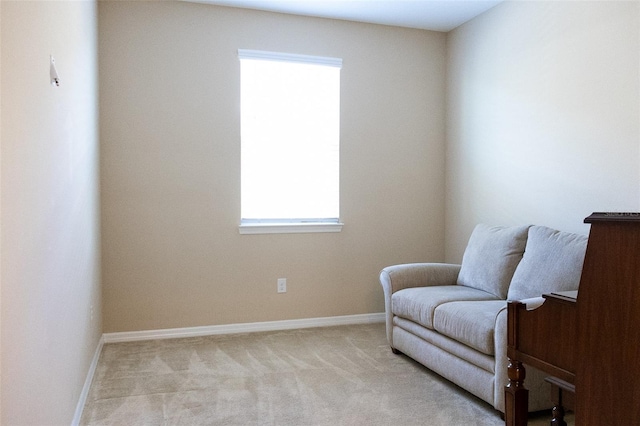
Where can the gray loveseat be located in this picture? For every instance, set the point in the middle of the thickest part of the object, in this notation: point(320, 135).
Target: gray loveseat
point(453, 318)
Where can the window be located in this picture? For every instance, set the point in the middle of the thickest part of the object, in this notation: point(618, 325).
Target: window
point(290, 147)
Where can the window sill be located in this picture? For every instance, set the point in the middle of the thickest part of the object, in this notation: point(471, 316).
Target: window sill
point(288, 228)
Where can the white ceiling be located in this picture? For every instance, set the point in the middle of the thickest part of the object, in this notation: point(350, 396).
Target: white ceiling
point(437, 15)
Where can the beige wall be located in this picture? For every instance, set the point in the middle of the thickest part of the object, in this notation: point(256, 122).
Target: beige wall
point(50, 268)
point(170, 156)
point(543, 116)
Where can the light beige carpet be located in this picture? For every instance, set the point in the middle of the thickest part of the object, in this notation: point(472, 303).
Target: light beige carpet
point(343, 375)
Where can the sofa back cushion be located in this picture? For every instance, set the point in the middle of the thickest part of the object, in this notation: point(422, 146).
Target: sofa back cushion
point(491, 257)
point(552, 261)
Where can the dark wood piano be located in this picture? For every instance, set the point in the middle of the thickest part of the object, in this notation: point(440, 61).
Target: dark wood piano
point(588, 341)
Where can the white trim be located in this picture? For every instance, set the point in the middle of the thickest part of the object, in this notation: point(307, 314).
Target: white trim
point(289, 228)
point(172, 333)
point(87, 383)
point(289, 57)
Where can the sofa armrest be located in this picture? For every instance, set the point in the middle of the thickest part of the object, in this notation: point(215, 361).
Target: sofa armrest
point(398, 277)
point(501, 376)
point(538, 387)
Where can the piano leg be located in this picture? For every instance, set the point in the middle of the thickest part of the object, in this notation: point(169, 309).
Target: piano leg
point(516, 397)
point(558, 415)
point(558, 387)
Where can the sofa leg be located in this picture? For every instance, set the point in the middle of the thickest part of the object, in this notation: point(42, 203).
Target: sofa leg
point(395, 351)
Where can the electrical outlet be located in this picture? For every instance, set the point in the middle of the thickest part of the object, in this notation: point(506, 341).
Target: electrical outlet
point(282, 285)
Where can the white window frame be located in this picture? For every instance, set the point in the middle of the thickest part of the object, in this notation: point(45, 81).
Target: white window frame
point(287, 226)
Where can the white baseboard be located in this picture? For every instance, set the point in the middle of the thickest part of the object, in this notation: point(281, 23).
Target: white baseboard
point(171, 333)
point(87, 384)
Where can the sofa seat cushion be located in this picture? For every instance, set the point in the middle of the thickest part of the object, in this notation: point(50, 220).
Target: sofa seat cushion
point(552, 261)
point(458, 349)
point(491, 257)
point(418, 304)
point(470, 322)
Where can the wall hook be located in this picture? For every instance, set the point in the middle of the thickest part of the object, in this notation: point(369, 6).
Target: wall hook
point(53, 72)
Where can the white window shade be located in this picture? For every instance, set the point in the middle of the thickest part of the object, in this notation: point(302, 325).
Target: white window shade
point(290, 148)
